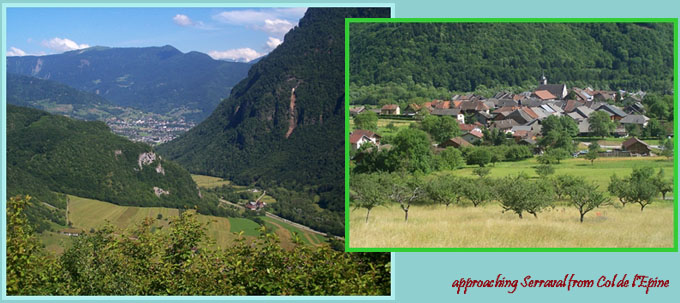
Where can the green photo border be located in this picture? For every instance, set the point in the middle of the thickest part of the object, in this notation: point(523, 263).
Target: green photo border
point(349, 21)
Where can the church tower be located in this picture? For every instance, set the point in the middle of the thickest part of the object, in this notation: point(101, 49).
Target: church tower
point(544, 80)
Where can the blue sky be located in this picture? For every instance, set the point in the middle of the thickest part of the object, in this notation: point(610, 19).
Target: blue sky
point(240, 34)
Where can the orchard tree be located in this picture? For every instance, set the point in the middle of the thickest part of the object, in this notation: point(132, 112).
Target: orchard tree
point(601, 124)
point(641, 187)
point(562, 184)
point(519, 194)
point(367, 191)
point(662, 184)
point(367, 120)
point(619, 188)
point(482, 171)
point(593, 152)
point(585, 197)
point(478, 191)
point(405, 190)
point(445, 190)
point(544, 170)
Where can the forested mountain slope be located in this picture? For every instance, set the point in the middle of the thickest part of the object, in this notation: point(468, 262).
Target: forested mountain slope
point(284, 124)
point(48, 153)
point(465, 56)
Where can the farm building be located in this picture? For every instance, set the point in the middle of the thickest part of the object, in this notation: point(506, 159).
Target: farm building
point(72, 232)
point(455, 142)
point(390, 109)
point(636, 146)
point(359, 137)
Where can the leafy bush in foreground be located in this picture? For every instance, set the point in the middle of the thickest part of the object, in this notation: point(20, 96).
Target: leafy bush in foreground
point(180, 260)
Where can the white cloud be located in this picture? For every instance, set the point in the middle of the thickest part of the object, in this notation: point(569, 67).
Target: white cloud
point(243, 17)
point(272, 42)
point(276, 26)
point(63, 45)
point(13, 51)
point(238, 54)
point(272, 21)
point(182, 20)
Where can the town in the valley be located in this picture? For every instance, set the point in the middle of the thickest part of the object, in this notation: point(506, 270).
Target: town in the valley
point(519, 116)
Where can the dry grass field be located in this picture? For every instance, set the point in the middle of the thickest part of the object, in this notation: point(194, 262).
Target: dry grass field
point(487, 226)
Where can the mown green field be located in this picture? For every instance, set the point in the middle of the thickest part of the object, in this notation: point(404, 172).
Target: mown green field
point(208, 181)
point(86, 214)
point(212, 182)
point(599, 172)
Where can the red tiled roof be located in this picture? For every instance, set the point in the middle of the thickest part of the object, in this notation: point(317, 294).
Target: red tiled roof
point(530, 112)
point(390, 106)
point(356, 135)
point(457, 140)
point(476, 133)
point(544, 94)
point(467, 127)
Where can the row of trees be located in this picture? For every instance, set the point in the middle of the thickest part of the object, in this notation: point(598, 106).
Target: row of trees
point(518, 194)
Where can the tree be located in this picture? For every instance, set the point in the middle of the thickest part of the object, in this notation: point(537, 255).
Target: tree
point(593, 152)
point(619, 188)
point(445, 190)
point(662, 183)
point(480, 156)
point(519, 194)
point(654, 128)
point(667, 148)
point(411, 150)
point(585, 197)
point(481, 171)
point(557, 139)
point(601, 124)
point(553, 156)
point(559, 123)
point(367, 120)
point(405, 191)
point(367, 191)
point(440, 128)
point(477, 191)
point(544, 170)
point(641, 187)
point(562, 184)
point(449, 158)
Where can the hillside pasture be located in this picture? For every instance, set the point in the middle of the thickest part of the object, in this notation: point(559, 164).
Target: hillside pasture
point(86, 214)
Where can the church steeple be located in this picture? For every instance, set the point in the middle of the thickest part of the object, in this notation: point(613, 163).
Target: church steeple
point(544, 80)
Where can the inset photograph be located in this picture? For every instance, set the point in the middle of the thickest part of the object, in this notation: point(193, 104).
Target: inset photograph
point(511, 134)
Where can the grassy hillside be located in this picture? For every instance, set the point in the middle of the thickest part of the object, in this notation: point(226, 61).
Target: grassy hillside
point(88, 213)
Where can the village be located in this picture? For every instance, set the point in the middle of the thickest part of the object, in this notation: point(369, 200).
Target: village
point(520, 116)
